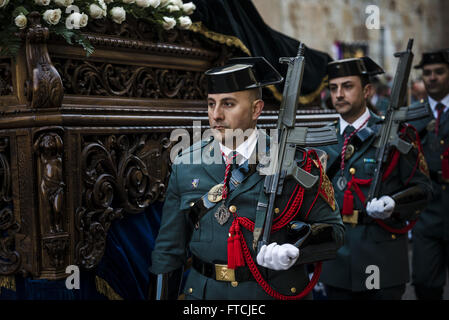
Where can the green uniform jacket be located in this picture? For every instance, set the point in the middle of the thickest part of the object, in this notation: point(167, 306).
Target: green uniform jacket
point(434, 221)
point(369, 244)
point(209, 241)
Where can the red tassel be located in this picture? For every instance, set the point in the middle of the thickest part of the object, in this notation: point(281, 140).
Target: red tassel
point(445, 165)
point(348, 203)
point(235, 252)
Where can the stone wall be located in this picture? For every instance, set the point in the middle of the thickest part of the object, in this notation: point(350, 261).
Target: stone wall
point(320, 23)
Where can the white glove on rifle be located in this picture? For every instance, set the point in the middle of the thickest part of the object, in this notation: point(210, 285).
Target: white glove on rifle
point(277, 257)
point(382, 208)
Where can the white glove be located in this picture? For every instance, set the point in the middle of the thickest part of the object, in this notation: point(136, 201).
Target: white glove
point(277, 257)
point(382, 208)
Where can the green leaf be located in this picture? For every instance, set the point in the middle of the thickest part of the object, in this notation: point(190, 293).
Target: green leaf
point(20, 10)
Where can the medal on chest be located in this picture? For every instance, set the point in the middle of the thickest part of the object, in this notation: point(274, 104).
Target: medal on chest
point(222, 214)
point(342, 182)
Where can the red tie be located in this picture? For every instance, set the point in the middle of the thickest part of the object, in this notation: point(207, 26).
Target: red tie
point(440, 109)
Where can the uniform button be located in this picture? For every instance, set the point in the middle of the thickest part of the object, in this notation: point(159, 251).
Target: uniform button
point(442, 142)
point(441, 157)
point(234, 284)
point(192, 204)
point(293, 290)
point(233, 209)
point(352, 171)
point(393, 236)
point(443, 187)
point(277, 210)
point(190, 290)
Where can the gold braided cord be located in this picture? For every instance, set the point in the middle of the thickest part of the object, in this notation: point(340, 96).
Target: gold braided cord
point(8, 282)
point(105, 289)
point(230, 41)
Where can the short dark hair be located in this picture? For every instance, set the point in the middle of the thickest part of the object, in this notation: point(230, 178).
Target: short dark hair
point(365, 80)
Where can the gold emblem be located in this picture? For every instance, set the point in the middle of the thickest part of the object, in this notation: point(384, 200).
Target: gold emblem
point(352, 219)
point(350, 149)
point(215, 194)
point(327, 191)
point(222, 273)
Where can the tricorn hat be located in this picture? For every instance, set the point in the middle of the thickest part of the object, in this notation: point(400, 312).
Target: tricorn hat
point(242, 74)
point(440, 56)
point(353, 67)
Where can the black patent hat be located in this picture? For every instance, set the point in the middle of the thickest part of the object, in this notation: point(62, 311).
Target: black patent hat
point(353, 67)
point(242, 74)
point(441, 56)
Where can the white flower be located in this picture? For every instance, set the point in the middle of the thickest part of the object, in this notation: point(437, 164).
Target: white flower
point(185, 22)
point(21, 21)
point(108, 1)
point(118, 14)
point(63, 3)
point(176, 3)
point(96, 12)
point(155, 3)
point(188, 8)
point(42, 2)
point(147, 3)
point(164, 2)
point(3, 3)
point(172, 8)
point(83, 20)
point(76, 20)
point(128, 1)
point(52, 16)
point(168, 23)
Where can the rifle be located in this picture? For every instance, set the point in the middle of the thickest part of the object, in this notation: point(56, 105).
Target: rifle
point(395, 115)
point(291, 137)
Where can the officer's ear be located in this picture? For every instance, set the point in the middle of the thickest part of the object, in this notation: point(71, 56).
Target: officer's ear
point(257, 107)
point(368, 91)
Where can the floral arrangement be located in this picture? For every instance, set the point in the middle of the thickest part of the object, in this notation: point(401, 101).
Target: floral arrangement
point(68, 17)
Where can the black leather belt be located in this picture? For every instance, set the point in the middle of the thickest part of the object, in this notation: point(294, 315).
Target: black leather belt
point(220, 272)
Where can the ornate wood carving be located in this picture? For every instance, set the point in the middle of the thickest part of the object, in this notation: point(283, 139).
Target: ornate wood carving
point(6, 86)
point(10, 259)
point(106, 79)
point(48, 148)
point(120, 173)
point(44, 87)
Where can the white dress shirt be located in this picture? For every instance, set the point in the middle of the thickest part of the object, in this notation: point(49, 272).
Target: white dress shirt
point(356, 124)
point(245, 149)
point(433, 105)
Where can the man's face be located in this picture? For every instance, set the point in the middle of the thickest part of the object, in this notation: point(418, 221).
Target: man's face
point(235, 110)
point(348, 96)
point(436, 80)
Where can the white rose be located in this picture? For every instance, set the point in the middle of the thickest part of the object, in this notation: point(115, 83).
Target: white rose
point(172, 8)
point(185, 22)
point(96, 12)
point(118, 14)
point(143, 3)
point(168, 23)
point(3, 3)
point(21, 21)
point(128, 1)
point(83, 20)
point(42, 2)
point(188, 8)
point(76, 20)
point(155, 3)
point(63, 3)
point(52, 16)
point(176, 2)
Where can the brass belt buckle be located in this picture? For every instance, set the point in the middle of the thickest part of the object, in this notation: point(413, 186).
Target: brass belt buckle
point(352, 219)
point(222, 273)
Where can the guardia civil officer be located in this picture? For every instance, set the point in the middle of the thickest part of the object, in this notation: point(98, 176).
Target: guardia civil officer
point(373, 263)
point(431, 234)
point(211, 209)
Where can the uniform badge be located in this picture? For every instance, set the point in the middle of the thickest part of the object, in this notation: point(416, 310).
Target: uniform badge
point(350, 149)
point(215, 194)
point(222, 214)
point(195, 183)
